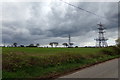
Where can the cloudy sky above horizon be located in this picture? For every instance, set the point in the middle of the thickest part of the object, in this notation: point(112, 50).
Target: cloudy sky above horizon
point(44, 22)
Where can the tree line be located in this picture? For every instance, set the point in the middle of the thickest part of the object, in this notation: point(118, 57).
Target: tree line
point(52, 44)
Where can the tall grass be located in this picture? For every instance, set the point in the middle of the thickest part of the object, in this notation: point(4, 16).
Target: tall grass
point(42, 62)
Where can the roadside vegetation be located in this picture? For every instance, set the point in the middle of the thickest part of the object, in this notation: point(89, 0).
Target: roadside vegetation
point(21, 62)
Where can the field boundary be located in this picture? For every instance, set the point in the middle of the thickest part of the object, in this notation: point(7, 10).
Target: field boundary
point(75, 70)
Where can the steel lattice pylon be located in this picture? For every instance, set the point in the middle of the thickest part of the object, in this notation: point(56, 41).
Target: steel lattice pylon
point(101, 41)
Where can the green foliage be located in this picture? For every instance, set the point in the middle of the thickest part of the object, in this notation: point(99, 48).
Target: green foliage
point(41, 62)
point(118, 42)
point(111, 51)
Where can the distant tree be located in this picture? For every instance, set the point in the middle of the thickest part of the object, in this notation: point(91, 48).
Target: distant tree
point(55, 44)
point(14, 44)
point(21, 45)
point(51, 44)
point(118, 42)
point(71, 44)
point(76, 46)
point(65, 44)
point(31, 45)
point(37, 44)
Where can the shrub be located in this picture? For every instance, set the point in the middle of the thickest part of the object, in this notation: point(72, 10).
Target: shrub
point(111, 51)
point(106, 52)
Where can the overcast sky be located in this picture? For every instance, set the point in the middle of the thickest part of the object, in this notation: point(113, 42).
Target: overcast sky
point(44, 22)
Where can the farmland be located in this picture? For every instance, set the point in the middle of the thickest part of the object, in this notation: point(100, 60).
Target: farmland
point(21, 62)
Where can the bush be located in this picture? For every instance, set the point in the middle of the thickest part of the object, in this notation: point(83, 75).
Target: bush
point(111, 51)
point(106, 52)
point(116, 50)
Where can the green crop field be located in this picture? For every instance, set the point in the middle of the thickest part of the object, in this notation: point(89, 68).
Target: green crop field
point(27, 62)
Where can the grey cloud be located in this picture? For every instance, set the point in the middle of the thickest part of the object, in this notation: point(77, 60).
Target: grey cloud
point(46, 22)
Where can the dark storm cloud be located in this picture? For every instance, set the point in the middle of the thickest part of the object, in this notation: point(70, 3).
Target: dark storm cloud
point(76, 24)
point(71, 21)
point(45, 22)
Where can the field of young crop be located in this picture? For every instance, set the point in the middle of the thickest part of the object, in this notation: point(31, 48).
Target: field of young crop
point(21, 62)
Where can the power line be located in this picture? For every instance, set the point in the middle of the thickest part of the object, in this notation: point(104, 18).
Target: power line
point(83, 9)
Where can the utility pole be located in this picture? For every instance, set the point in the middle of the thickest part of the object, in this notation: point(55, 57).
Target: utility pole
point(4, 43)
point(69, 40)
point(101, 41)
